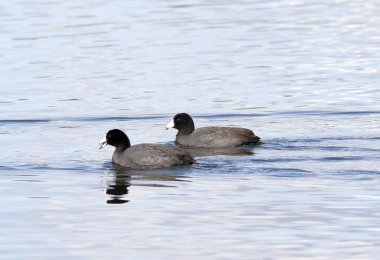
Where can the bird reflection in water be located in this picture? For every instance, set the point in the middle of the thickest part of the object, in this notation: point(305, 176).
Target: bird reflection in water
point(118, 187)
point(204, 152)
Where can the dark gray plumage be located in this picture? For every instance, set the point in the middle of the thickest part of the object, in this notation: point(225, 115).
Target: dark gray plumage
point(211, 136)
point(142, 156)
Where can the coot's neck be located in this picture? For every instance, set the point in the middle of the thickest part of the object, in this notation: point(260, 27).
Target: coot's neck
point(187, 129)
point(124, 144)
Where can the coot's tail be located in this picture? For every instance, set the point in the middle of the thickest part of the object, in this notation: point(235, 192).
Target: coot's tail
point(188, 159)
point(254, 139)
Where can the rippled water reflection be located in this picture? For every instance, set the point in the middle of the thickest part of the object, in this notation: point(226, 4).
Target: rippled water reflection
point(302, 75)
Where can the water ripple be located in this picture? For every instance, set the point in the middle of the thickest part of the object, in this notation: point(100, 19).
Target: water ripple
point(210, 116)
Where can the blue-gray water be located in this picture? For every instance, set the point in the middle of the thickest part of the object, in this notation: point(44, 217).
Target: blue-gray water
point(304, 75)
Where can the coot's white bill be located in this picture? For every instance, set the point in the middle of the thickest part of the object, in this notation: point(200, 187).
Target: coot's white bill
point(170, 125)
point(103, 143)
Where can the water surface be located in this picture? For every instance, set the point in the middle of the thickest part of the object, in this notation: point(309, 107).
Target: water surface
point(302, 74)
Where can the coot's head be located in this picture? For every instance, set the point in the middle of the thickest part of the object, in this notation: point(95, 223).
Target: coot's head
point(115, 138)
point(183, 122)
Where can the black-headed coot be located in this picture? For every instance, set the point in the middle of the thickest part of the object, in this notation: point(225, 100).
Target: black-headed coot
point(210, 136)
point(142, 156)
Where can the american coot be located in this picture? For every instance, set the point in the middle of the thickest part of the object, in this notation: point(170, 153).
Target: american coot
point(211, 136)
point(142, 156)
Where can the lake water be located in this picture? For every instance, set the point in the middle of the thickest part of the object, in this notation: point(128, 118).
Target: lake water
point(304, 75)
